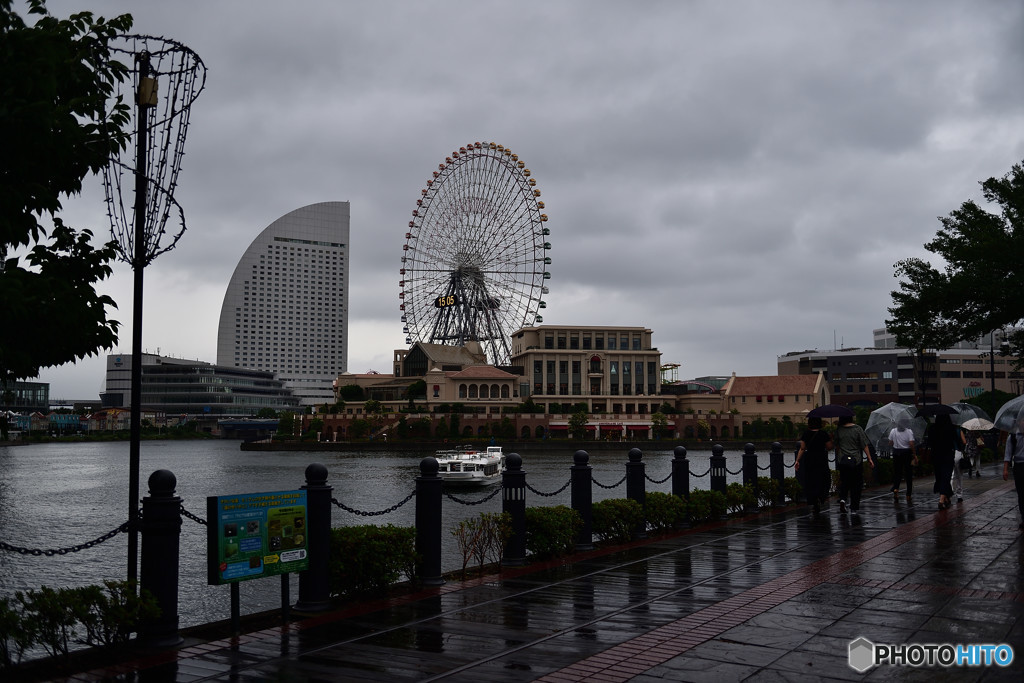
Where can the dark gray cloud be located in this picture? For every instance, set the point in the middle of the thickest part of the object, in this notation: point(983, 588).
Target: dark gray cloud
point(740, 177)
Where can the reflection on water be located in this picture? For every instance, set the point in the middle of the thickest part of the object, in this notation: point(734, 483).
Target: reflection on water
point(61, 495)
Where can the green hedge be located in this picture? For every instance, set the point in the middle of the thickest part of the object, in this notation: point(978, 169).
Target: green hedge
point(707, 505)
point(367, 559)
point(551, 531)
point(616, 519)
point(665, 511)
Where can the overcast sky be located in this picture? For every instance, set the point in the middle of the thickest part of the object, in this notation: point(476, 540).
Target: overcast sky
point(740, 177)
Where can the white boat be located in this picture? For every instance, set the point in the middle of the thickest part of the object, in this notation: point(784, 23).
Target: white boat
point(468, 466)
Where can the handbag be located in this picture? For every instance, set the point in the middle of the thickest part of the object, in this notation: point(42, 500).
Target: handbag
point(847, 461)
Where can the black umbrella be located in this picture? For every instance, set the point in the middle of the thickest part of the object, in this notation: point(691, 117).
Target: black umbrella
point(830, 410)
point(932, 409)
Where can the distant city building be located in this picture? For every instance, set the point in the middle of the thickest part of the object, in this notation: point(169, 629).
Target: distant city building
point(175, 386)
point(26, 397)
point(285, 310)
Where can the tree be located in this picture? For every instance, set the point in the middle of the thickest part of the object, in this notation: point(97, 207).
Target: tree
point(58, 128)
point(578, 424)
point(372, 406)
point(981, 285)
point(351, 392)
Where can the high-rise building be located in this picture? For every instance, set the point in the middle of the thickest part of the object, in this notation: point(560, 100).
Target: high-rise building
point(286, 307)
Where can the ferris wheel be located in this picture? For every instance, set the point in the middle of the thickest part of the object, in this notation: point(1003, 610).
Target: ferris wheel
point(474, 262)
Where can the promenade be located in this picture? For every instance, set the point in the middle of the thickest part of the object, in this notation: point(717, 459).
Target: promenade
point(776, 596)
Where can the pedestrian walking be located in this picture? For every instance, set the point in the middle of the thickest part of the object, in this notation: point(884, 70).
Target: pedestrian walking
point(812, 463)
point(852, 449)
point(901, 437)
point(942, 440)
point(960, 463)
point(1013, 461)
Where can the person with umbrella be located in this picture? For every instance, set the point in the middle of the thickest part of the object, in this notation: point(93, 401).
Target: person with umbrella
point(942, 441)
point(812, 463)
point(902, 439)
point(851, 443)
point(1013, 461)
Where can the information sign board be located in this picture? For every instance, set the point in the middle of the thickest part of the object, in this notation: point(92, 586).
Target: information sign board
point(255, 535)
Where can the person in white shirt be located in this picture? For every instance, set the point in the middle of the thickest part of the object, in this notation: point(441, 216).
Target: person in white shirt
point(902, 439)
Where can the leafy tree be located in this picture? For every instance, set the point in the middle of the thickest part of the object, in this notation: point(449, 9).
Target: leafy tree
point(372, 407)
point(286, 424)
point(660, 422)
point(57, 129)
point(980, 286)
point(359, 428)
point(351, 392)
point(578, 424)
point(266, 413)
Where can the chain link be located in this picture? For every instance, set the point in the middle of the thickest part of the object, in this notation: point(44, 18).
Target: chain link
point(486, 498)
point(765, 468)
point(608, 487)
point(553, 493)
point(361, 513)
point(701, 476)
point(738, 471)
point(657, 481)
point(64, 551)
point(186, 513)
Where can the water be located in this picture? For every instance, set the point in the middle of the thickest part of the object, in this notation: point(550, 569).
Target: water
point(61, 494)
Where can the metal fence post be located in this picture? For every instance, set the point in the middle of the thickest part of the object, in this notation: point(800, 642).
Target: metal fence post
point(777, 469)
point(513, 501)
point(750, 474)
point(161, 533)
point(582, 496)
point(314, 583)
point(635, 489)
point(428, 523)
point(681, 478)
point(718, 468)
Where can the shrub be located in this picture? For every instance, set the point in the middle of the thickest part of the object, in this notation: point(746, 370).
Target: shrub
point(616, 519)
point(665, 511)
point(551, 531)
point(792, 489)
point(367, 559)
point(483, 538)
point(738, 496)
point(767, 491)
point(707, 505)
point(54, 618)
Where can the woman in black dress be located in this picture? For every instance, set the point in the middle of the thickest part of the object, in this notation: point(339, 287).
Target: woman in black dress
point(942, 439)
point(812, 463)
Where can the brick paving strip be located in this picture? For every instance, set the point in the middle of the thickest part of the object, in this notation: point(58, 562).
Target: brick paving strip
point(626, 660)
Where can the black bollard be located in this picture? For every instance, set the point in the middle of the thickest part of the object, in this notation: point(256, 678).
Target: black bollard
point(161, 533)
point(681, 478)
point(428, 523)
point(513, 501)
point(582, 495)
point(777, 470)
point(718, 468)
point(314, 583)
point(635, 488)
point(750, 475)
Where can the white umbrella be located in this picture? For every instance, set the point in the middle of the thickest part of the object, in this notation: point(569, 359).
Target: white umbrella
point(882, 420)
point(1009, 416)
point(977, 424)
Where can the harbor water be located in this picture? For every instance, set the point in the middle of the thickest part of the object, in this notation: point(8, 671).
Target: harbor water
point(61, 495)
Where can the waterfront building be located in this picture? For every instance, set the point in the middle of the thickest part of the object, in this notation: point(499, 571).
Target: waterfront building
point(285, 309)
point(176, 386)
point(876, 376)
point(25, 397)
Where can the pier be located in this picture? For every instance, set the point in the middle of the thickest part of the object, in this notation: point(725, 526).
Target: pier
point(779, 595)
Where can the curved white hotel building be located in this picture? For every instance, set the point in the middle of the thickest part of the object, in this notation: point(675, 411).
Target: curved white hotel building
point(286, 306)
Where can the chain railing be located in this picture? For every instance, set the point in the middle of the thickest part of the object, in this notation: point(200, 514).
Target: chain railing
point(363, 513)
point(463, 501)
point(615, 485)
point(657, 481)
point(553, 493)
point(194, 518)
point(64, 551)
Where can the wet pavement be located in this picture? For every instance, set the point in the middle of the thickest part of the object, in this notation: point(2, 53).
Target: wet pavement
point(777, 596)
